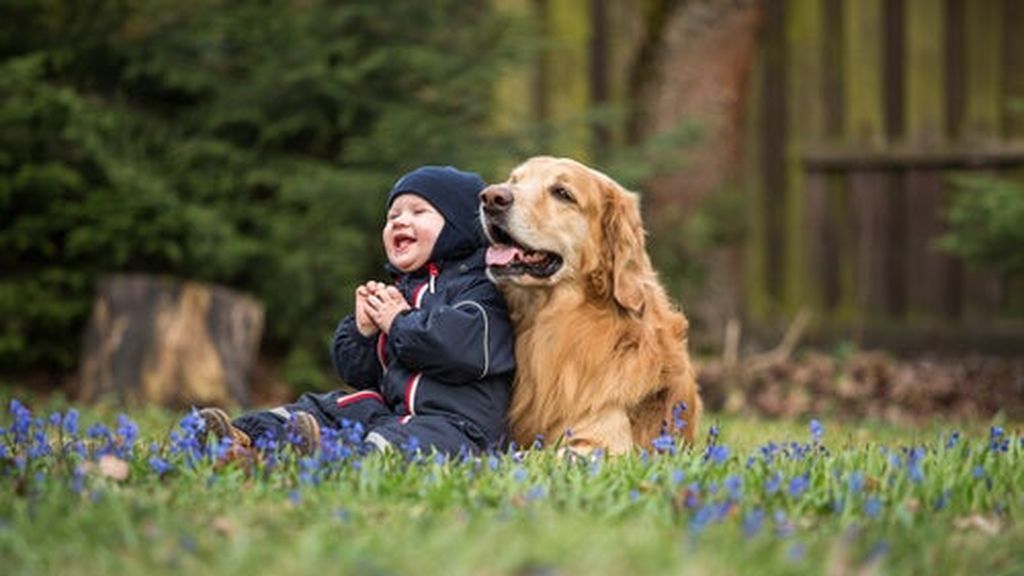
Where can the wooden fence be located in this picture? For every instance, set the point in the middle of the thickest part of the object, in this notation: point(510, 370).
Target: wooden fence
point(860, 112)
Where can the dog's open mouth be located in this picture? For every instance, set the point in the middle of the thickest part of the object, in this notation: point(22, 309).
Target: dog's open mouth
point(508, 258)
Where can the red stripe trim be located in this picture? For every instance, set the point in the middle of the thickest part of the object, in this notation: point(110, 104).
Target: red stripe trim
point(382, 350)
point(359, 396)
point(405, 419)
point(417, 296)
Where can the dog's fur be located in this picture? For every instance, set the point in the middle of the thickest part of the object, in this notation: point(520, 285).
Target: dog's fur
point(601, 351)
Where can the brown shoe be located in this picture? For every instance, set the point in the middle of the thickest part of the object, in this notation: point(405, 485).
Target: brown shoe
point(219, 423)
point(303, 425)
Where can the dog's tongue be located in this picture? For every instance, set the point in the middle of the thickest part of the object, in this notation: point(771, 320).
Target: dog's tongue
point(502, 255)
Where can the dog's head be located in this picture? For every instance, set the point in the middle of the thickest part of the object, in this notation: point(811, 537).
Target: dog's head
point(556, 221)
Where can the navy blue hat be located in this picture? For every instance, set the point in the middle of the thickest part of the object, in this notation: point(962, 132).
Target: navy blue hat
point(455, 194)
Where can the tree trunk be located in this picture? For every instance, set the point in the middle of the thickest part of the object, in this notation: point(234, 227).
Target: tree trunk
point(177, 344)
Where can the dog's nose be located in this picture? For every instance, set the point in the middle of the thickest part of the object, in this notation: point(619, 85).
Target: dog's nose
point(496, 198)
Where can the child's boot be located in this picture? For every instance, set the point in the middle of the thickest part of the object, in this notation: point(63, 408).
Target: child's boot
point(219, 423)
point(305, 430)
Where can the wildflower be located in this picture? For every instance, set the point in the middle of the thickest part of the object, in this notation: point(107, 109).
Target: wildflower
point(717, 453)
point(128, 432)
point(70, 423)
point(914, 458)
point(796, 552)
point(492, 462)
point(713, 433)
point(872, 507)
point(664, 443)
point(159, 465)
point(953, 440)
point(537, 492)
point(702, 518)
point(411, 446)
point(942, 501)
point(816, 430)
point(22, 420)
point(771, 485)
point(798, 485)
point(519, 474)
point(734, 485)
point(308, 469)
point(978, 472)
point(752, 522)
point(783, 527)
point(78, 479)
point(855, 482)
point(677, 477)
point(691, 497)
point(677, 415)
point(55, 419)
point(997, 440)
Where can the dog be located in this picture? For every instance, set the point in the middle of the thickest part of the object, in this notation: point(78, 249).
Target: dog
point(602, 361)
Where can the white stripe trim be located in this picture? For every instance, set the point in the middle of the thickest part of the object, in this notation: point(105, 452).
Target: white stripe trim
point(411, 399)
point(379, 442)
point(418, 296)
point(487, 335)
point(281, 412)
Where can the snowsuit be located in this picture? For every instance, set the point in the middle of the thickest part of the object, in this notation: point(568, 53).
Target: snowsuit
point(442, 378)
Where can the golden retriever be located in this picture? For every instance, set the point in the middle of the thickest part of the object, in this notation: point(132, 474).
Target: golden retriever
point(601, 351)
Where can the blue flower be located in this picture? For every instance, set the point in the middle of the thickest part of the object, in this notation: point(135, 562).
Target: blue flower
point(734, 485)
point(872, 507)
point(798, 485)
point(717, 453)
point(22, 420)
point(677, 415)
point(519, 474)
point(855, 482)
point(953, 440)
point(978, 472)
point(55, 419)
point(816, 430)
point(752, 522)
point(772, 484)
point(537, 492)
point(677, 477)
point(70, 423)
point(713, 433)
point(664, 443)
point(159, 465)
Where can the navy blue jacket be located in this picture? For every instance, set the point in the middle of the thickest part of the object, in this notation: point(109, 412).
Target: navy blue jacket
point(450, 356)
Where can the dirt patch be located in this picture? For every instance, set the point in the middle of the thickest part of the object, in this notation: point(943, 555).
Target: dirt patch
point(869, 385)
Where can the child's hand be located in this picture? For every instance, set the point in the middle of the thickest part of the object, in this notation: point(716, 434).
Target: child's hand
point(384, 304)
point(364, 323)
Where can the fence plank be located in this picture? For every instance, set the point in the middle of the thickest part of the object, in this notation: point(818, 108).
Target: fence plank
point(872, 218)
point(933, 282)
point(983, 114)
point(804, 46)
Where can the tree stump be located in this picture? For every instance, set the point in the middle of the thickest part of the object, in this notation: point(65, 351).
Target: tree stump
point(167, 342)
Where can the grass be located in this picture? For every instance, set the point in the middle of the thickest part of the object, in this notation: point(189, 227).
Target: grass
point(758, 497)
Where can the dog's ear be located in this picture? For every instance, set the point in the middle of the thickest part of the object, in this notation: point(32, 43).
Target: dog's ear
point(625, 246)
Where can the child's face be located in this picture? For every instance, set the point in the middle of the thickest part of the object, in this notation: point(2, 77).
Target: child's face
point(411, 230)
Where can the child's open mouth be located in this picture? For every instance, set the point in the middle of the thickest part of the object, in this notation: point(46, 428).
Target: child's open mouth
point(402, 242)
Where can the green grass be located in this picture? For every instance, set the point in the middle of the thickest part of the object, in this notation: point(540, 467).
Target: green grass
point(955, 510)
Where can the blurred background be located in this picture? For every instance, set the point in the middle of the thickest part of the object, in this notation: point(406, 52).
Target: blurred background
point(190, 190)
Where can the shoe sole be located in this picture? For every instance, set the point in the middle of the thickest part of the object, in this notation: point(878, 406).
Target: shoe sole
point(219, 423)
point(308, 429)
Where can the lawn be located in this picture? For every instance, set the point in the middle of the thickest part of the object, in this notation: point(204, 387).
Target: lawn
point(90, 491)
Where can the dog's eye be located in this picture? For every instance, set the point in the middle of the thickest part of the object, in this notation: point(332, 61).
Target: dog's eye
point(562, 193)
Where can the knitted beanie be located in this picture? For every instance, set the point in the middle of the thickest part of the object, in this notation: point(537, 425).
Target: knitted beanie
point(455, 194)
